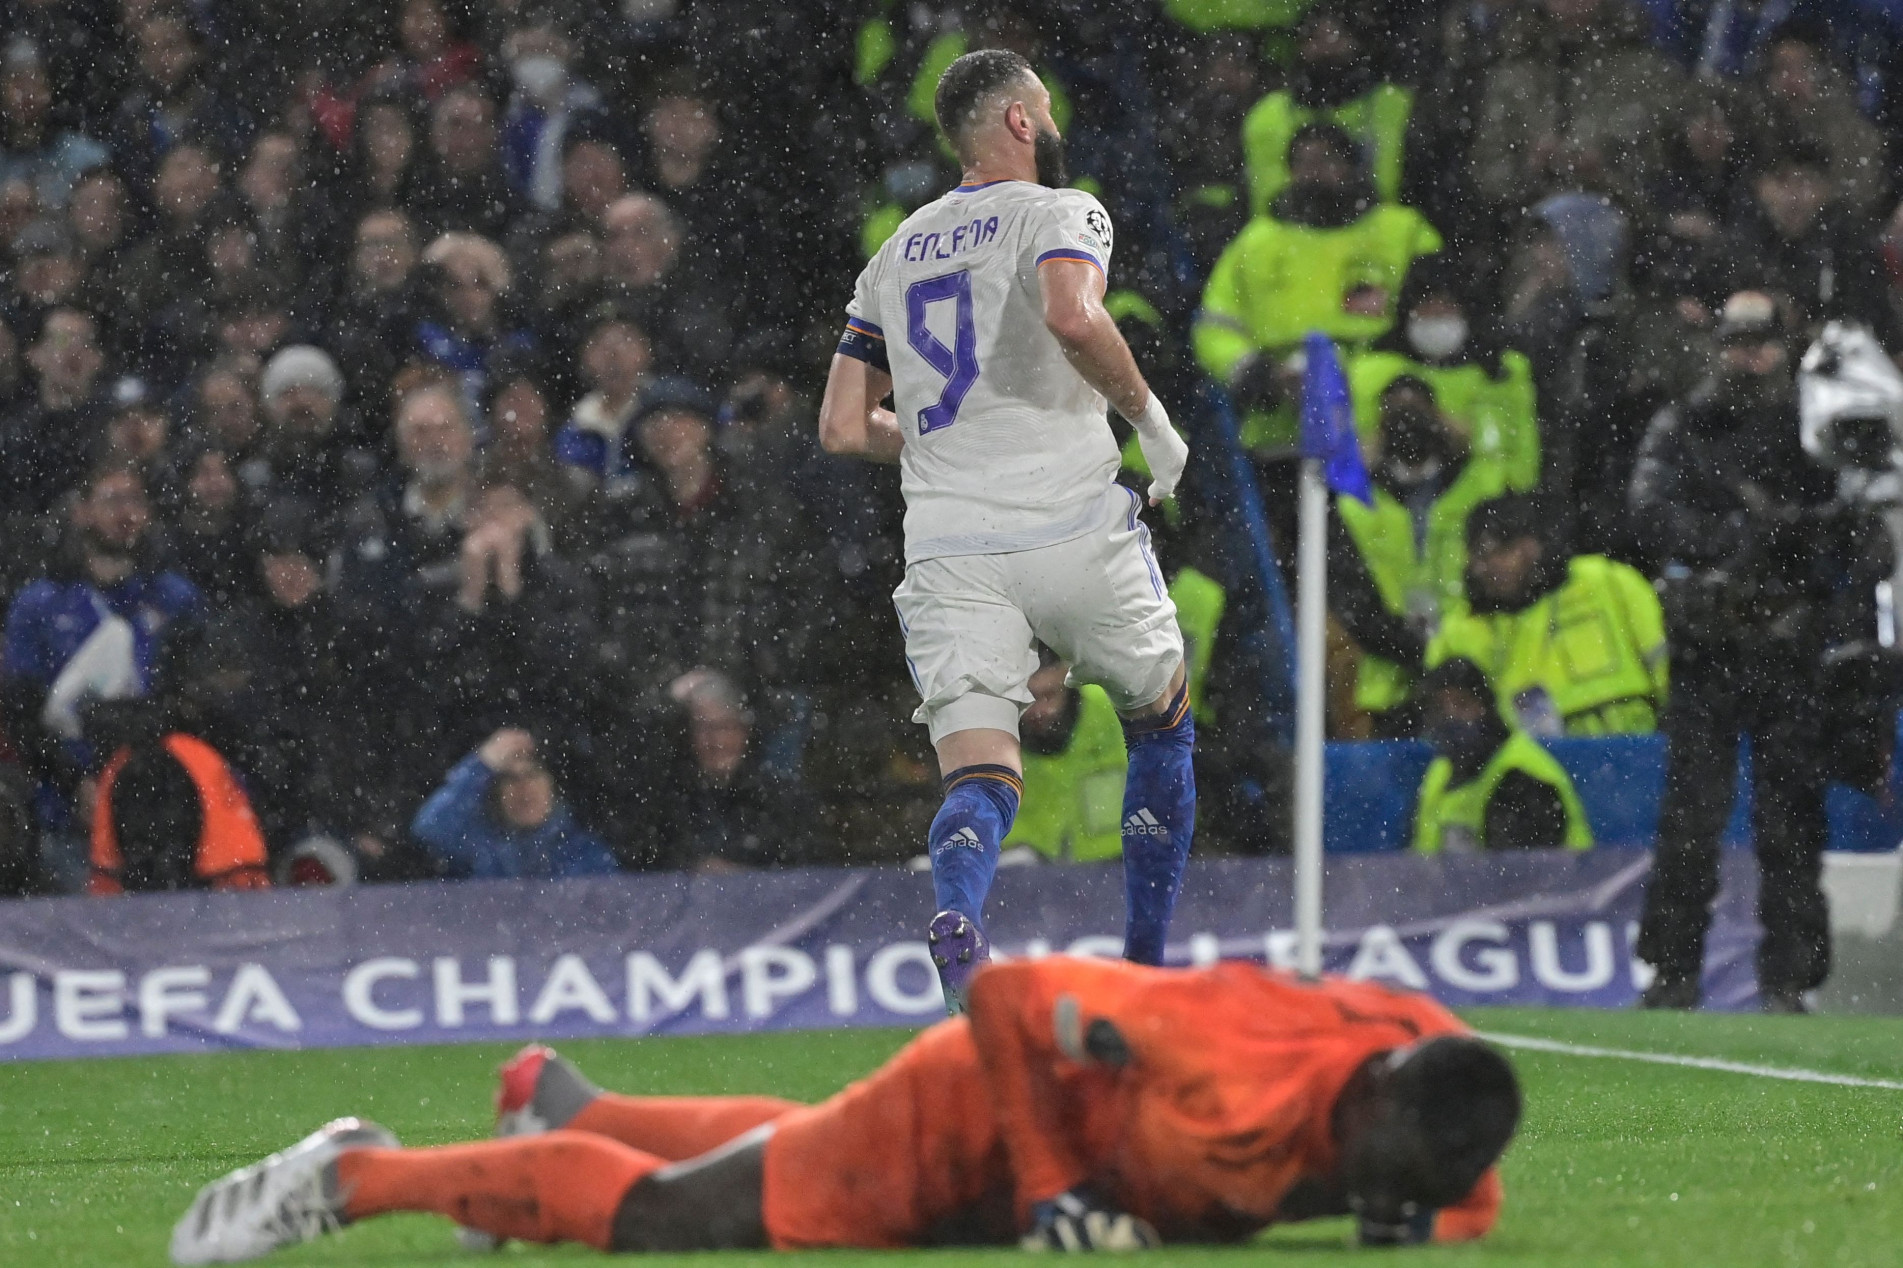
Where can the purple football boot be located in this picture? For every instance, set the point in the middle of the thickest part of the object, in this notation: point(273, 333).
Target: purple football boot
point(958, 949)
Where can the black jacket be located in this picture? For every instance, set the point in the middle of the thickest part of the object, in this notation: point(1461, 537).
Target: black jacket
point(291, 696)
point(706, 587)
point(1724, 489)
point(1832, 270)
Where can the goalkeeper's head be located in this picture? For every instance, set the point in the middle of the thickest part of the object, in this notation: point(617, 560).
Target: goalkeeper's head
point(1418, 1127)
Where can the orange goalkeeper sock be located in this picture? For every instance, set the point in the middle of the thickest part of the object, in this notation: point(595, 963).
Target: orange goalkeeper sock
point(676, 1127)
point(561, 1186)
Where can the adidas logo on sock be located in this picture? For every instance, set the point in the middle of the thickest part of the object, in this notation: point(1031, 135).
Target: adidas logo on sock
point(964, 838)
point(1144, 824)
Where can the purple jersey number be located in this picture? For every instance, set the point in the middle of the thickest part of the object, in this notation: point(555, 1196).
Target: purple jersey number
point(958, 363)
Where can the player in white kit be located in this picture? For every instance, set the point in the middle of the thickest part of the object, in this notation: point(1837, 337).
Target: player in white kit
point(983, 317)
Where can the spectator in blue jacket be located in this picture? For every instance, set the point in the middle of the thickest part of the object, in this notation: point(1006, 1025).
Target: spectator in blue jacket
point(616, 359)
point(99, 624)
point(498, 815)
point(468, 326)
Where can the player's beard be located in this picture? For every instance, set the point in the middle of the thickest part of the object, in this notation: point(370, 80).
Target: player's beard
point(1052, 172)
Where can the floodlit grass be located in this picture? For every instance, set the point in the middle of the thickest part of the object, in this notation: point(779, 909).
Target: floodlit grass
point(1618, 1163)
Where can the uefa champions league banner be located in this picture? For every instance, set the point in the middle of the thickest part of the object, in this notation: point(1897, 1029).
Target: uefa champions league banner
point(679, 954)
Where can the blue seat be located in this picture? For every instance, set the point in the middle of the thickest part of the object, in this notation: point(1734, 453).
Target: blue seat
point(1368, 802)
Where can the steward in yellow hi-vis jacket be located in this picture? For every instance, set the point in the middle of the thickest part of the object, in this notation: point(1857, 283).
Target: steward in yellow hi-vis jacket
point(1571, 647)
point(1491, 787)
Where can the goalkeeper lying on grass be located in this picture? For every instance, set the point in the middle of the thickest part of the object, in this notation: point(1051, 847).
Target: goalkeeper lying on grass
point(1080, 1104)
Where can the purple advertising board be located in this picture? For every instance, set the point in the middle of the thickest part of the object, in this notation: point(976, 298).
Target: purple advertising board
point(802, 949)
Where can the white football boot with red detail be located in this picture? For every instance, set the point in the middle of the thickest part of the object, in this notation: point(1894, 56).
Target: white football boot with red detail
point(293, 1196)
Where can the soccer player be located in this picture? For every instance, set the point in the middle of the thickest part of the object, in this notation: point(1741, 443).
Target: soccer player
point(1078, 1104)
point(983, 317)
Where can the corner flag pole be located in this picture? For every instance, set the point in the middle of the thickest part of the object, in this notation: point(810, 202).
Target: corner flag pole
point(1331, 461)
point(1310, 706)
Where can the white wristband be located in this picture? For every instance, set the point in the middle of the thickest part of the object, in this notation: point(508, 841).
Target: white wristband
point(1153, 421)
point(1162, 448)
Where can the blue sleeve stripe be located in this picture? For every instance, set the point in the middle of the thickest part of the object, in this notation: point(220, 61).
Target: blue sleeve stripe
point(861, 346)
point(1067, 253)
point(864, 327)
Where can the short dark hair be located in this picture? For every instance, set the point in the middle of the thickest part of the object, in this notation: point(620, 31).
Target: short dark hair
point(1464, 1101)
point(1337, 138)
point(1458, 674)
point(1411, 383)
point(968, 81)
point(1508, 518)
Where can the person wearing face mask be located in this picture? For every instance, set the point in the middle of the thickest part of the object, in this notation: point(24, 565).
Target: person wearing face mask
point(1332, 81)
point(1491, 786)
point(546, 102)
point(1398, 566)
point(1572, 646)
point(1761, 572)
point(1486, 390)
point(1326, 257)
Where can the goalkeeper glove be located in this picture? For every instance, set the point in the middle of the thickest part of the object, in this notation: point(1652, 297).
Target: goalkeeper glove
point(1410, 1226)
point(1075, 1221)
point(1162, 448)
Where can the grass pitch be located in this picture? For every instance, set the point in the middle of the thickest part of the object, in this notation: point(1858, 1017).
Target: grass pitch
point(1618, 1162)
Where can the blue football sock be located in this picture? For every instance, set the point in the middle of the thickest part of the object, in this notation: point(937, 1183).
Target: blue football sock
point(980, 804)
point(1159, 819)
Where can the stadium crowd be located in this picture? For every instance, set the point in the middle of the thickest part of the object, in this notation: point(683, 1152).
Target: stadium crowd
point(406, 411)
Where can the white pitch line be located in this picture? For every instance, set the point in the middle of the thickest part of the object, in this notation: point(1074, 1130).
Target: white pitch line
point(1531, 1044)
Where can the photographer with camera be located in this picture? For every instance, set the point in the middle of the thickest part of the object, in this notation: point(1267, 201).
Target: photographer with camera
point(1762, 569)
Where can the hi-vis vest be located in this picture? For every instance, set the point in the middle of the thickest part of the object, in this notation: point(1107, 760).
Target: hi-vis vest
point(1377, 119)
point(230, 849)
point(1454, 818)
point(1072, 806)
point(1235, 15)
point(1500, 415)
point(1595, 646)
point(1426, 581)
point(1199, 601)
point(1278, 281)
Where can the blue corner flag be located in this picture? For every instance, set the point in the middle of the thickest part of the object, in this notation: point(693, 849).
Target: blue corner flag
point(1328, 421)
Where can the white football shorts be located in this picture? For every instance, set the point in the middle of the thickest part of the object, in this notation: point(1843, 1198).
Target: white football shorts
point(972, 623)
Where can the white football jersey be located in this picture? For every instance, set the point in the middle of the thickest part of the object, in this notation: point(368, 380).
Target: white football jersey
point(1006, 447)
